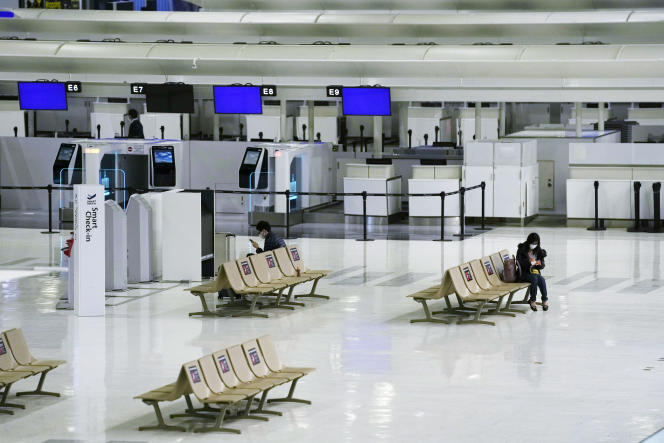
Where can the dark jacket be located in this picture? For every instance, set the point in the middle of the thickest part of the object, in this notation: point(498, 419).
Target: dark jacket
point(135, 130)
point(272, 242)
point(523, 260)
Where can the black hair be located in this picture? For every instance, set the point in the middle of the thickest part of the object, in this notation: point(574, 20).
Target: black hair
point(533, 237)
point(263, 225)
point(133, 113)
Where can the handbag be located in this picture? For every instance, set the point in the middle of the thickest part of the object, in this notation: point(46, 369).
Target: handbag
point(509, 270)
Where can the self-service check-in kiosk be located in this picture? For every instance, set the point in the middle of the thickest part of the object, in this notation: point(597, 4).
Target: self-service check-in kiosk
point(163, 166)
point(254, 169)
point(67, 169)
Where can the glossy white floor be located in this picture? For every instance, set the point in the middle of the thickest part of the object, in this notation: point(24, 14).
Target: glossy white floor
point(590, 369)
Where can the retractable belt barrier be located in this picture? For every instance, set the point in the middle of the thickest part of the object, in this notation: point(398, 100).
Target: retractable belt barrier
point(287, 194)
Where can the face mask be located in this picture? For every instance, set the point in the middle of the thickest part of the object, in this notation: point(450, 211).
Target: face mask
point(533, 245)
point(262, 235)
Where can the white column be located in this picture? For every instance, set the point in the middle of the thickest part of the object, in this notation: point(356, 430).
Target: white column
point(600, 116)
point(377, 136)
point(579, 119)
point(403, 124)
point(283, 121)
point(478, 120)
point(89, 251)
point(215, 127)
point(91, 162)
point(501, 121)
point(311, 135)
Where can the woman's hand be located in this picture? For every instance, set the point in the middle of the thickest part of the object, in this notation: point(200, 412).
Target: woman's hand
point(254, 244)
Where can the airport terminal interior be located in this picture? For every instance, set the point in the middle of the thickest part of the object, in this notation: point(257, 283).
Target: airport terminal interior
point(331, 220)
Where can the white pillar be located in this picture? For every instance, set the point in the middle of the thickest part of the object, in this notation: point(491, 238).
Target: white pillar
point(283, 121)
point(377, 136)
point(91, 162)
point(478, 120)
point(215, 127)
point(600, 116)
point(403, 124)
point(310, 124)
point(501, 121)
point(579, 119)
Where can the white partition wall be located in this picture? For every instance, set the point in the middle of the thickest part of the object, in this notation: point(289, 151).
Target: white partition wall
point(152, 123)
point(372, 179)
point(116, 247)
point(154, 200)
point(181, 236)
point(139, 240)
point(269, 123)
point(613, 197)
point(10, 120)
point(433, 179)
point(109, 124)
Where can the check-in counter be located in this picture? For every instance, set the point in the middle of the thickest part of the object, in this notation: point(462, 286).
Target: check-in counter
point(372, 179)
point(433, 179)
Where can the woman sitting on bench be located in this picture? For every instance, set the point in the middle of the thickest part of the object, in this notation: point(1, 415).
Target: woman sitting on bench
point(530, 257)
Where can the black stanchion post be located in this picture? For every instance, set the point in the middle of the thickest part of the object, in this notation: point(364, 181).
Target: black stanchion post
point(426, 139)
point(410, 138)
point(436, 129)
point(462, 212)
point(361, 138)
point(66, 126)
point(241, 130)
point(162, 129)
point(260, 135)
point(122, 125)
point(304, 132)
point(15, 131)
point(442, 217)
point(637, 208)
point(98, 131)
point(318, 136)
point(49, 188)
point(287, 213)
point(596, 226)
point(221, 133)
point(364, 218)
point(483, 221)
point(657, 221)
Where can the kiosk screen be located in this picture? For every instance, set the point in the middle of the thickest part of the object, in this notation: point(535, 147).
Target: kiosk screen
point(251, 158)
point(47, 96)
point(237, 100)
point(163, 156)
point(366, 101)
point(65, 153)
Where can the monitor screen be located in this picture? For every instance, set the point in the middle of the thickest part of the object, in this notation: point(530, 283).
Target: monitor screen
point(45, 96)
point(237, 100)
point(66, 152)
point(366, 101)
point(162, 155)
point(170, 98)
point(251, 157)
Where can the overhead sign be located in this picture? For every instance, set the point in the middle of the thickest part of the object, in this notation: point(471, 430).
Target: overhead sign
point(137, 88)
point(89, 251)
point(73, 87)
point(334, 91)
point(269, 91)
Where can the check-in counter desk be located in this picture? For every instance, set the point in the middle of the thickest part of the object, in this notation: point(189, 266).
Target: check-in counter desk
point(372, 179)
point(616, 166)
point(433, 179)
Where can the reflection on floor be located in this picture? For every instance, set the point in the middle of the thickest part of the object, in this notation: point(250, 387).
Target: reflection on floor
point(589, 369)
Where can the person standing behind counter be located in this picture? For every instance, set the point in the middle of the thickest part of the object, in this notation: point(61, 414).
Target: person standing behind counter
point(135, 127)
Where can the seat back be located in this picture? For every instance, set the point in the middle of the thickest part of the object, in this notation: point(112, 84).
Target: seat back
point(458, 282)
point(247, 272)
point(195, 378)
point(272, 266)
point(284, 262)
point(480, 276)
point(269, 351)
point(490, 272)
point(259, 263)
point(7, 361)
point(255, 358)
point(295, 256)
point(224, 368)
point(19, 347)
point(469, 278)
point(234, 277)
point(497, 262)
point(505, 254)
point(211, 375)
point(240, 365)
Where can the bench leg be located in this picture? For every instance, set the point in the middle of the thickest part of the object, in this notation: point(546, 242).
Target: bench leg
point(508, 305)
point(289, 298)
point(246, 412)
point(427, 315)
point(312, 293)
point(192, 412)
point(278, 304)
point(476, 318)
point(260, 408)
point(497, 310)
point(290, 398)
point(525, 300)
point(461, 310)
point(206, 311)
point(39, 390)
point(251, 311)
point(218, 424)
point(161, 425)
point(3, 401)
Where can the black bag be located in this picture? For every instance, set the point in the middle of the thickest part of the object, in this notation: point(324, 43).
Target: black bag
point(510, 273)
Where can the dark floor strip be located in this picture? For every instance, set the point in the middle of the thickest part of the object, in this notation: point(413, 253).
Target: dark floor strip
point(571, 279)
point(362, 278)
point(600, 284)
point(643, 287)
point(405, 279)
point(343, 271)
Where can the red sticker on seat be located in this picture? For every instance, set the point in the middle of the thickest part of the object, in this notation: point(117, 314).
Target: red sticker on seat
point(467, 274)
point(488, 267)
point(245, 268)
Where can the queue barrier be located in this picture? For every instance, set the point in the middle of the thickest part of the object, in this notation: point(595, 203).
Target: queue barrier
point(287, 195)
point(17, 363)
point(227, 384)
point(267, 274)
point(479, 291)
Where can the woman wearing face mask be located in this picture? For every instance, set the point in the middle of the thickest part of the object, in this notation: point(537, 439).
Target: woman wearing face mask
point(530, 257)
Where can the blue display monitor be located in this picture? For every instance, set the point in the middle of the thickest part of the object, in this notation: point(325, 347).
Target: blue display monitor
point(366, 101)
point(237, 100)
point(42, 96)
